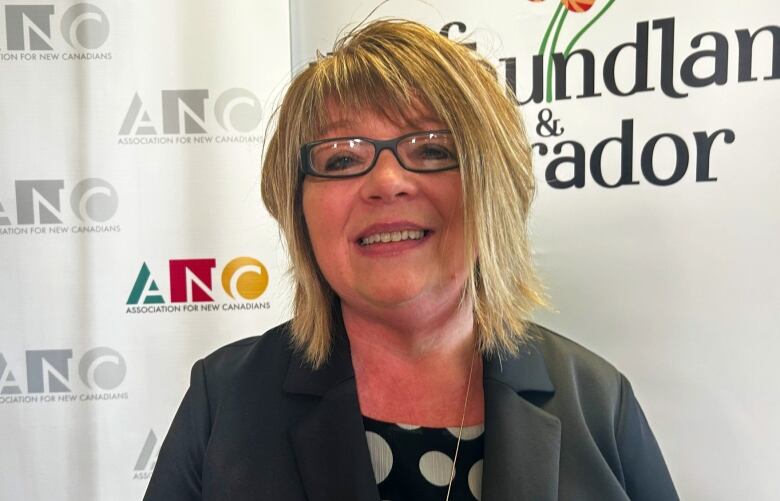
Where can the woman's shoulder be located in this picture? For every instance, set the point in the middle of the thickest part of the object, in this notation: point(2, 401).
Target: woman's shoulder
point(264, 356)
point(561, 350)
point(274, 338)
point(574, 368)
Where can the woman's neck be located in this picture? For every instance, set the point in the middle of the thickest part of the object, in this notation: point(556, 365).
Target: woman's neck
point(413, 366)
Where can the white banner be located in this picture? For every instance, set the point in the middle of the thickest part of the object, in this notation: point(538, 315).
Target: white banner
point(654, 227)
point(132, 237)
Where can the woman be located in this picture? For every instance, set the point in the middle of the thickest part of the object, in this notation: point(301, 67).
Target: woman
point(400, 174)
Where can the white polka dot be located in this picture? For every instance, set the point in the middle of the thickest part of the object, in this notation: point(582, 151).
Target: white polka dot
point(381, 456)
point(469, 432)
point(436, 467)
point(407, 426)
point(475, 480)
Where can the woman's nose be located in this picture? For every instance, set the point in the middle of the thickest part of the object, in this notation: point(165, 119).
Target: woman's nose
point(388, 180)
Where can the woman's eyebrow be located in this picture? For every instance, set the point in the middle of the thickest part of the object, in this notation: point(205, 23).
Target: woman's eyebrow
point(419, 122)
point(339, 124)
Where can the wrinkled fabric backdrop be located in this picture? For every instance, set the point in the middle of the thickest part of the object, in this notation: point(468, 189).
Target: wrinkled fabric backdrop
point(133, 240)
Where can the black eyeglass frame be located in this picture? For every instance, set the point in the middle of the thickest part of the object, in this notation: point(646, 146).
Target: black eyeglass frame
point(379, 147)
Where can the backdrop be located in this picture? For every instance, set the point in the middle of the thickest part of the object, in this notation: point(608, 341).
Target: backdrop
point(132, 239)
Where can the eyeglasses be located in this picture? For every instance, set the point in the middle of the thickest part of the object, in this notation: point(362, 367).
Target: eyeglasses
point(342, 157)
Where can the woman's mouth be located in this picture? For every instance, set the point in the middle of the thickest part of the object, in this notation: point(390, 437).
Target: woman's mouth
point(392, 236)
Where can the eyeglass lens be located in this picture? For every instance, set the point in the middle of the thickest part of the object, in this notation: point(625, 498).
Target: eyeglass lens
point(428, 151)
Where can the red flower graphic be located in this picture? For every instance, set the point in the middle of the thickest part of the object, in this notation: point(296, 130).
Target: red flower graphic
point(578, 5)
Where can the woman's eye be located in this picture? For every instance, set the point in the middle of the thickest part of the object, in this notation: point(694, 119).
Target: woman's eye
point(340, 162)
point(436, 153)
point(431, 152)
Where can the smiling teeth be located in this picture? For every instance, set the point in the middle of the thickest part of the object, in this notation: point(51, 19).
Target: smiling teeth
point(392, 236)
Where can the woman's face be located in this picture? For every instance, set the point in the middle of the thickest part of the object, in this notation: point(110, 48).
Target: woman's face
point(343, 215)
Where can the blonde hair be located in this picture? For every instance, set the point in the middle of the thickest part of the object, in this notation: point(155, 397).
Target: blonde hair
point(397, 65)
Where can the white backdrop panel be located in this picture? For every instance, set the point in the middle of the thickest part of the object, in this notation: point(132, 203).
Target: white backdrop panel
point(676, 284)
point(165, 105)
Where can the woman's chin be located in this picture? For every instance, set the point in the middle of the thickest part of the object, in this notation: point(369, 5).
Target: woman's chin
point(386, 294)
point(397, 295)
point(391, 297)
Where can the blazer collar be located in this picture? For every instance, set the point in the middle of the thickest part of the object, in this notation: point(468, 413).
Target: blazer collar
point(525, 372)
point(330, 442)
point(337, 369)
point(522, 441)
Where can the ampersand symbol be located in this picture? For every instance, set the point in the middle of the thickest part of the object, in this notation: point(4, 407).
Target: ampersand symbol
point(546, 129)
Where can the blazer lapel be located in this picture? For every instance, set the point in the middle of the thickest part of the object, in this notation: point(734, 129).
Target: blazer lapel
point(329, 442)
point(522, 442)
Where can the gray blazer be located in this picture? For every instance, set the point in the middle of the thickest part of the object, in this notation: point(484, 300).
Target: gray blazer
point(256, 424)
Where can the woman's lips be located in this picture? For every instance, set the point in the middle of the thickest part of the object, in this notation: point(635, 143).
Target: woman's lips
point(388, 230)
point(391, 238)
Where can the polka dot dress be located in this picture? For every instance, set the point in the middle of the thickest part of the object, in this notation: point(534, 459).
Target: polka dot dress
point(413, 463)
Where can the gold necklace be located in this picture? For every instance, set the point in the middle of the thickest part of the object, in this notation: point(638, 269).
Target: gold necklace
point(462, 420)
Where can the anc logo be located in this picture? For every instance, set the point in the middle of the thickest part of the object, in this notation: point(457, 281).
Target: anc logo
point(28, 33)
point(49, 376)
point(190, 281)
point(39, 207)
point(182, 117)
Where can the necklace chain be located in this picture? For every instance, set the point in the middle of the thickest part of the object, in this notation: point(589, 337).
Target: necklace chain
point(462, 421)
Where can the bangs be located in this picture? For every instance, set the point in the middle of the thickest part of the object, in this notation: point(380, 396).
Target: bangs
point(340, 88)
point(388, 77)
